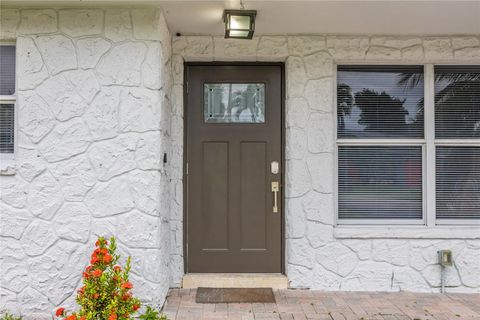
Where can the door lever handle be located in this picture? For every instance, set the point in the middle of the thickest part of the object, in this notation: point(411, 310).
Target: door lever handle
point(275, 189)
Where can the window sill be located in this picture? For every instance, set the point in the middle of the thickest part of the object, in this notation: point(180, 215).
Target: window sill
point(407, 232)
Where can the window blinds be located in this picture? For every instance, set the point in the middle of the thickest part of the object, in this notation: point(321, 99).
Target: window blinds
point(7, 90)
point(458, 182)
point(457, 116)
point(7, 116)
point(457, 102)
point(7, 70)
point(380, 182)
point(380, 101)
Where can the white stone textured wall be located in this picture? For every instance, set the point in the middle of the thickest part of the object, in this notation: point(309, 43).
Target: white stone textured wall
point(93, 108)
point(100, 100)
point(319, 254)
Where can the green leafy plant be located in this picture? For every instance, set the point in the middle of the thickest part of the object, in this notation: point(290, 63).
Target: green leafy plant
point(106, 291)
point(152, 314)
point(5, 315)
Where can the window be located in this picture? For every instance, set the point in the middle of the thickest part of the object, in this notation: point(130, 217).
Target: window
point(408, 144)
point(379, 102)
point(234, 102)
point(7, 98)
point(458, 182)
point(380, 182)
point(457, 142)
point(380, 130)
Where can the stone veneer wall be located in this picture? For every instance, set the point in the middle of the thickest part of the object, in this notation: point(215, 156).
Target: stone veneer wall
point(320, 255)
point(95, 118)
point(93, 104)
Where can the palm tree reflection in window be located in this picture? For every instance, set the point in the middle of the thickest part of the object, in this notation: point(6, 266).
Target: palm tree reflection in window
point(372, 104)
point(235, 103)
point(376, 180)
point(387, 102)
point(344, 104)
point(457, 100)
point(457, 116)
point(381, 113)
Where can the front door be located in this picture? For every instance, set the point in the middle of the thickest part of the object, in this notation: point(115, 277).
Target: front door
point(234, 168)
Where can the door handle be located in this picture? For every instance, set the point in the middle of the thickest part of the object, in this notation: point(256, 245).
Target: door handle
point(275, 189)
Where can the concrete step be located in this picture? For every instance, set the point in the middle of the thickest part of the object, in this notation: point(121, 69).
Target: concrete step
point(235, 280)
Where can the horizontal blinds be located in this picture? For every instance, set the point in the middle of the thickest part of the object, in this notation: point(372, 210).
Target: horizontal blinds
point(7, 120)
point(380, 101)
point(458, 182)
point(7, 70)
point(457, 102)
point(380, 182)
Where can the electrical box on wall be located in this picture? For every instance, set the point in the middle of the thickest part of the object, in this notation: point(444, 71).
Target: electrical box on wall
point(445, 258)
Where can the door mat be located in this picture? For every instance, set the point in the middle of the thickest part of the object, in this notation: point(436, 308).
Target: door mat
point(235, 295)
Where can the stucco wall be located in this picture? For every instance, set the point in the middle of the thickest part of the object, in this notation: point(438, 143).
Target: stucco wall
point(320, 255)
point(93, 106)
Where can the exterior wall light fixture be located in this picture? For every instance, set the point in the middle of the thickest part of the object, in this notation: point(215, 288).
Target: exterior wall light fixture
point(239, 24)
point(445, 260)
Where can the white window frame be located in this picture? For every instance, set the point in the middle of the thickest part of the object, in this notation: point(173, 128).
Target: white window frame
point(428, 144)
point(7, 158)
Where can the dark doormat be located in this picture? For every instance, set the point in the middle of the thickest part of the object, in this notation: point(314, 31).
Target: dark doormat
point(235, 295)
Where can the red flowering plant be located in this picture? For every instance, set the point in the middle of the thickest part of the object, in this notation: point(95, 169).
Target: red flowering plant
point(106, 291)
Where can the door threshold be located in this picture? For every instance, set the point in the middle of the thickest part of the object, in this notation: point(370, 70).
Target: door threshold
point(235, 280)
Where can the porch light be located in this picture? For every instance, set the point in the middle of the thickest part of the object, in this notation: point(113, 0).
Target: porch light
point(239, 24)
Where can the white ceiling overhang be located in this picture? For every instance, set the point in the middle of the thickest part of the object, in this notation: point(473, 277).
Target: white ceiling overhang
point(308, 17)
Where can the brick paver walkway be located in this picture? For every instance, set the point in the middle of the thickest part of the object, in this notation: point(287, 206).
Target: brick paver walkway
point(309, 304)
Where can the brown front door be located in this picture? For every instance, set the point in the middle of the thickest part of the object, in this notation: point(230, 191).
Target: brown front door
point(233, 157)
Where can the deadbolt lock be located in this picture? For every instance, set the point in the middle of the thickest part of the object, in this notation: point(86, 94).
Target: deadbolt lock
point(274, 167)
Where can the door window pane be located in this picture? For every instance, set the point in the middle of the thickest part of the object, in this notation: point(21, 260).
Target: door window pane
point(234, 103)
point(457, 102)
point(380, 182)
point(380, 102)
point(458, 182)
